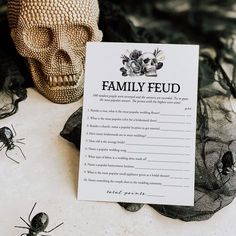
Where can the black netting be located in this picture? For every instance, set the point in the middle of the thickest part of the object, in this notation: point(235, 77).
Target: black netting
point(12, 87)
point(211, 24)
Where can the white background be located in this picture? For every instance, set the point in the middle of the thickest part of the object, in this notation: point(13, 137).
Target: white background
point(49, 177)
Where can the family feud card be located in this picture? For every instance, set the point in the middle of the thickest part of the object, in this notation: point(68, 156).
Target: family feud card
point(139, 123)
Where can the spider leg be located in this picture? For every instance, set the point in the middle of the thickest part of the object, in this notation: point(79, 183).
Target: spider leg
point(31, 211)
point(20, 151)
point(17, 141)
point(216, 165)
point(13, 130)
point(24, 221)
point(217, 169)
point(233, 166)
point(21, 227)
point(10, 157)
point(53, 228)
point(219, 173)
point(21, 139)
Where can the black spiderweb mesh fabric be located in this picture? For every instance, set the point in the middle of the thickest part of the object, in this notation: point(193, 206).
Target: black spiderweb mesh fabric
point(12, 88)
point(212, 24)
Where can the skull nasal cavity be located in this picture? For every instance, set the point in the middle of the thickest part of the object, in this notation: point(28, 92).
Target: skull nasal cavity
point(62, 57)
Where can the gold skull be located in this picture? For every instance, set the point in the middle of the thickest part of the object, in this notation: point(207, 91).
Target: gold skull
point(52, 35)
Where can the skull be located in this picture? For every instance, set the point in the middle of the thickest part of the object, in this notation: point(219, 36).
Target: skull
point(52, 35)
point(150, 64)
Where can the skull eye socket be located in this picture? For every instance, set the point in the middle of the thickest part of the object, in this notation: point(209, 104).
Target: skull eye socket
point(38, 38)
point(154, 61)
point(79, 35)
point(146, 60)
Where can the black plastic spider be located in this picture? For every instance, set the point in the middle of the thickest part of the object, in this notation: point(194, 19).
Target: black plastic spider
point(6, 138)
point(227, 163)
point(37, 225)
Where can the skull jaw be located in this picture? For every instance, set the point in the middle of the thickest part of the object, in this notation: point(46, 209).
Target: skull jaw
point(150, 71)
point(60, 95)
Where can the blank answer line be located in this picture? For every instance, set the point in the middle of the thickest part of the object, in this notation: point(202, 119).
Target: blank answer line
point(175, 162)
point(175, 130)
point(180, 178)
point(156, 145)
point(169, 138)
point(175, 186)
point(180, 123)
point(175, 115)
point(147, 168)
point(155, 195)
point(160, 153)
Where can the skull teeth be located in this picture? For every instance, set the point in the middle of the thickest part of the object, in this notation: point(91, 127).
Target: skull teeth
point(66, 80)
point(54, 79)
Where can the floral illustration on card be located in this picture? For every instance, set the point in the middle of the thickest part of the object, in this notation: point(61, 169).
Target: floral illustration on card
point(138, 63)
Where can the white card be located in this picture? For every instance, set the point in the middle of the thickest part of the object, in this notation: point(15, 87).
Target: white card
point(139, 123)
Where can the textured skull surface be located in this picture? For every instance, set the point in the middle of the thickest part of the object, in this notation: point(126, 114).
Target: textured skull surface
point(52, 35)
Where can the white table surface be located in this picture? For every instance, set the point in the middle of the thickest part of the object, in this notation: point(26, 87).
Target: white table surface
point(49, 177)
